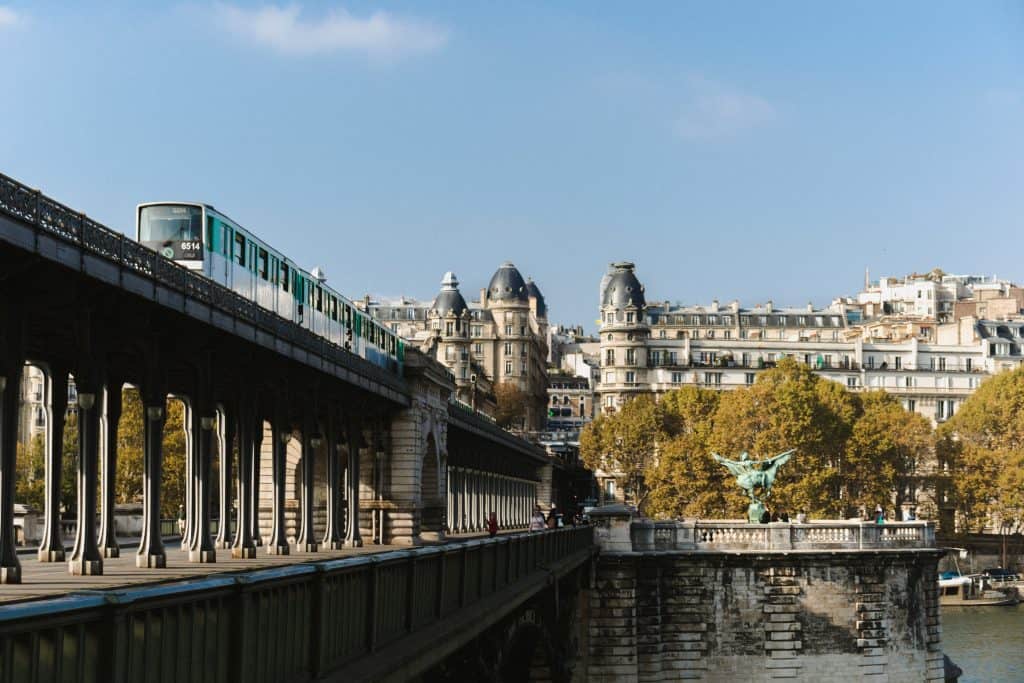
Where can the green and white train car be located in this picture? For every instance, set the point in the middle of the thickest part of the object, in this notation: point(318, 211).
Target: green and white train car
point(204, 240)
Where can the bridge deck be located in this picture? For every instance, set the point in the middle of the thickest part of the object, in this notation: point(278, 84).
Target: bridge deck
point(51, 579)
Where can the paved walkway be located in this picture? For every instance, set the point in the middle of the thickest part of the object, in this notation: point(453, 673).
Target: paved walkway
point(50, 579)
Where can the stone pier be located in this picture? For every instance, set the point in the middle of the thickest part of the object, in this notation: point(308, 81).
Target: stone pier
point(729, 601)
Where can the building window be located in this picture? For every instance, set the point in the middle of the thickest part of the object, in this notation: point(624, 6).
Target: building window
point(508, 330)
point(713, 378)
point(908, 382)
point(898, 362)
point(630, 356)
point(609, 377)
point(750, 378)
point(630, 377)
point(851, 382)
point(869, 362)
point(942, 363)
point(508, 367)
point(677, 378)
point(661, 334)
point(911, 405)
point(478, 349)
point(508, 349)
point(609, 357)
point(629, 317)
point(727, 334)
point(967, 364)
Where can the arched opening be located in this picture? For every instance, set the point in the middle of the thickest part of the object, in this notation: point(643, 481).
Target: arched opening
point(432, 501)
point(527, 657)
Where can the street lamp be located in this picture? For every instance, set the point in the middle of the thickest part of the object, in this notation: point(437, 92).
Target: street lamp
point(207, 422)
point(86, 401)
point(154, 413)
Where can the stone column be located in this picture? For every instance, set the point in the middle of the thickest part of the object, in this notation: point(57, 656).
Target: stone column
point(333, 539)
point(278, 544)
point(188, 422)
point(306, 542)
point(10, 388)
point(353, 536)
point(248, 453)
point(151, 546)
point(110, 418)
point(55, 402)
point(85, 556)
point(201, 546)
point(253, 501)
point(225, 443)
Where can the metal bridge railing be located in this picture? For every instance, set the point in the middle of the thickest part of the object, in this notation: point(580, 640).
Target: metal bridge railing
point(291, 623)
point(48, 215)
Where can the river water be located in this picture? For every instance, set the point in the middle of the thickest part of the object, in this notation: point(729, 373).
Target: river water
point(986, 642)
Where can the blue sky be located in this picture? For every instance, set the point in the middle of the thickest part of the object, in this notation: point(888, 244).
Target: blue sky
point(732, 150)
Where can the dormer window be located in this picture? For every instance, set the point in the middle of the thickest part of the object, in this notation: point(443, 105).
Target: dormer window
point(629, 317)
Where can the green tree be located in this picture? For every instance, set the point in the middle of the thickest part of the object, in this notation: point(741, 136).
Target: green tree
point(982, 446)
point(889, 450)
point(791, 407)
point(624, 444)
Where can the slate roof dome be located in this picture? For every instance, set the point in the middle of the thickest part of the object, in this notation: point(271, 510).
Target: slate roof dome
point(533, 290)
point(449, 300)
point(507, 284)
point(623, 289)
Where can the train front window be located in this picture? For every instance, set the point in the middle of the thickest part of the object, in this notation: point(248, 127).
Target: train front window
point(169, 223)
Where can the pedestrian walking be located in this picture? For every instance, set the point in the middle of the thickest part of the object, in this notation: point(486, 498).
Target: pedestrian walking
point(537, 520)
point(492, 524)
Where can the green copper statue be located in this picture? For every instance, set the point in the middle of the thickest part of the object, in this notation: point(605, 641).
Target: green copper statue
point(755, 477)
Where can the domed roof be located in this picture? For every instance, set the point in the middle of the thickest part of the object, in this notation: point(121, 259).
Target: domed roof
point(507, 284)
point(623, 289)
point(533, 290)
point(449, 300)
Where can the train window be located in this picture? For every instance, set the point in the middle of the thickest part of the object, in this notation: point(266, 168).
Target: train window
point(263, 264)
point(239, 249)
point(348, 316)
point(274, 270)
point(252, 257)
point(319, 298)
point(284, 276)
point(225, 239)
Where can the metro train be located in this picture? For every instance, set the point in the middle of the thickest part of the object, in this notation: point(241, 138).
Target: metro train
point(204, 240)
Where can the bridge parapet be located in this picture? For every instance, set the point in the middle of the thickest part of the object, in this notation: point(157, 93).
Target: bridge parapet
point(345, 618)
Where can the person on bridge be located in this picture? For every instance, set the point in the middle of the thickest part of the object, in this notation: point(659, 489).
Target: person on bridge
point(537, 520)
point(492, 524)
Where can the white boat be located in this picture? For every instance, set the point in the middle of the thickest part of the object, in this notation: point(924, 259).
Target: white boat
point(974, 591)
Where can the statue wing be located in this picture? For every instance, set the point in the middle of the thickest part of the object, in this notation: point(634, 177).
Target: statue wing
point(736, 468)
point(781, 458)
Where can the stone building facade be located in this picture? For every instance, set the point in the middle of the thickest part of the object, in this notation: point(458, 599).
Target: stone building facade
point(651, 347)
point(500, 338)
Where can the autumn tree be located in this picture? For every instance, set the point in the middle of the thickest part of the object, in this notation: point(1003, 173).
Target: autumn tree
point(789, 407)
point(624, 444)
point(30, 477)
point(686, 480)
point(128, 485)
point(983, 448)
point(511, 400)
point(890, 451)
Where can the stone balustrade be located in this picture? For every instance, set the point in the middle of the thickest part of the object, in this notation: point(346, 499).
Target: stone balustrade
point(618, 530)
point(726, 535)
